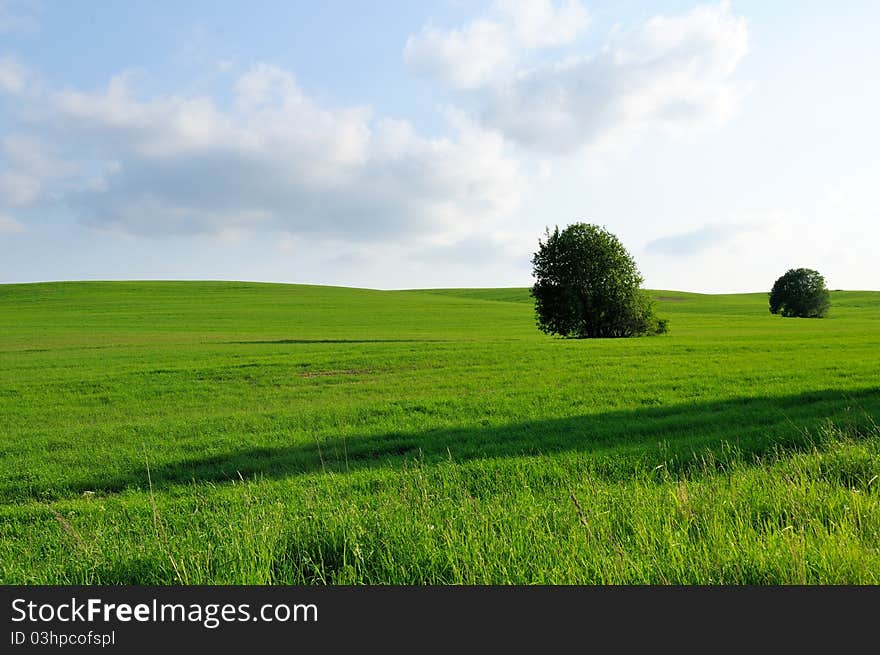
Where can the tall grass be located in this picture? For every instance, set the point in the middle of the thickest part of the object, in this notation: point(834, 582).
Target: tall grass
point(809, 515)
point(265, 434)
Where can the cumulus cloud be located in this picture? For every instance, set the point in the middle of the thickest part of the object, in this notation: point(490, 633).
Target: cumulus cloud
point(694, 241)
point(670, 73)
point(755, 247)
point(265, 155)
point(12, 75)
point(474, 54)
point(465, 58)
point(542, 23)
point(275, 158)
point(9, 225)
point(28, 165)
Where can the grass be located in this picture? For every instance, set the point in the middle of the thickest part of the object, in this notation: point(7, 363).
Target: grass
point(195, 432)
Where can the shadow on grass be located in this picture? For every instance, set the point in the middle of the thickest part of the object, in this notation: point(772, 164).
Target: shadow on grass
point(615, 444)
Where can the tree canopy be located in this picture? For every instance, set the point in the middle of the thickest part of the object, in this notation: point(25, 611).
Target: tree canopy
point(801, 292)
point(587, 285)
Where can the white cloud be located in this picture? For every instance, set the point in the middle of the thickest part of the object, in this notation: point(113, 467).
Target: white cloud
point(465, 58)
point(670, 73)
point(18, 189)
point(27, 166)
point(474, 54)
point(34, 155)
point(9, 225)
point(750, 249)
point(711, 235)
point(12, 75)
point(275, 158)
point(540, 23)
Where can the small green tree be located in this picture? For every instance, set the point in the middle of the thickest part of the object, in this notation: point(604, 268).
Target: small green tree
point(801, 292)
point(587, 285)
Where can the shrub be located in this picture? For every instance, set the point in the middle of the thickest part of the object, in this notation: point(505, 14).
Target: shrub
point(587, 285)
point(801, 292)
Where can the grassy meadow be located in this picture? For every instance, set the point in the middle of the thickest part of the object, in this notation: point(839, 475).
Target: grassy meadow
point(219, 432)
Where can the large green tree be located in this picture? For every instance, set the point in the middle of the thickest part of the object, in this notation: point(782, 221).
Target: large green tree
point(801, 292)
point(587, 285)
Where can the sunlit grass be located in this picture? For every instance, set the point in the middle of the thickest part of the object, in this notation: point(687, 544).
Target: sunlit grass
point(326, 435)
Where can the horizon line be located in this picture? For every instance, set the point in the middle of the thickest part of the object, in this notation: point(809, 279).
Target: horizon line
point(342, 286)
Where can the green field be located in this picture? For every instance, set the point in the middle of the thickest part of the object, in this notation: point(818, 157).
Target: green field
point(213, 432)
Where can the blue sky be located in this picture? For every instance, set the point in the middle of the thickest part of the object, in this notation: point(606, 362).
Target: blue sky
point(400, 144)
